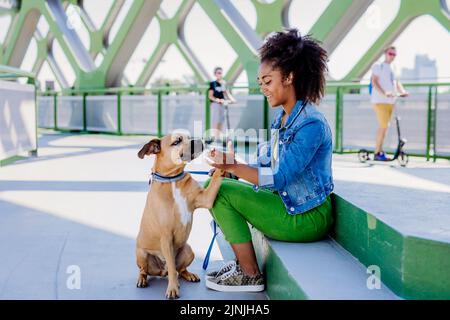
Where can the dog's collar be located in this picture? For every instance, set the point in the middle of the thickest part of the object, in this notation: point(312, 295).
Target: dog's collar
point(160, 178)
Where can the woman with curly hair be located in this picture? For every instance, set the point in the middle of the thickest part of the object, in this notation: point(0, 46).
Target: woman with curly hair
point(292, 181)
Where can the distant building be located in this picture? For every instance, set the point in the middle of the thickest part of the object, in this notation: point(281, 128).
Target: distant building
point(424, 70)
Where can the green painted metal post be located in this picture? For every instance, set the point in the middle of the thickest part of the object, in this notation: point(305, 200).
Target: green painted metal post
point(430, 101)
point(338, 125)
point(434, 118)
point(159, 113)
point(84, 113)
point(119, 113)
point(35, 151)
point(55, 111)
point(207, 112)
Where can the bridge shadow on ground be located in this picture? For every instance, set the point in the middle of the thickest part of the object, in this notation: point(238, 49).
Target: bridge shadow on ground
point(37, 250)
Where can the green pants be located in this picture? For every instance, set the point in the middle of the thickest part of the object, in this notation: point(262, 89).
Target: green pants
point(237, 203)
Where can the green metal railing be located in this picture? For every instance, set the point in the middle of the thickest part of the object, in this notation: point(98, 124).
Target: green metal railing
point(7, 72)
point(339, 89)
point(11, 73)
point(119, 92)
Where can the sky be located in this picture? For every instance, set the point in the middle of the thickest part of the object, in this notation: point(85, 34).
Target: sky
point(423, 36)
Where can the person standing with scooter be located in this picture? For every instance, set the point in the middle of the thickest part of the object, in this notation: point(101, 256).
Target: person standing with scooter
point(383, 95)
point(220, 97)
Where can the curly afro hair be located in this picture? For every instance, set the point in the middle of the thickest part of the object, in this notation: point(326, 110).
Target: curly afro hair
point(288, 52)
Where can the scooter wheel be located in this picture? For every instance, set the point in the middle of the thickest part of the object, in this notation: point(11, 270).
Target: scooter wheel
point(403, 159)
point(363, 155)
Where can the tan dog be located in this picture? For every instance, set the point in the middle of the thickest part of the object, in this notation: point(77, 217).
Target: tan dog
point(161, 247)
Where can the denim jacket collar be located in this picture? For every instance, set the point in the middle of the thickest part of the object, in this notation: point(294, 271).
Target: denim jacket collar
point(298, 107)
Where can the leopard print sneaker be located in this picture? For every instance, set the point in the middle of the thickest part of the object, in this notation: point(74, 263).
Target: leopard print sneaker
point(226, 267)
point(236, 280)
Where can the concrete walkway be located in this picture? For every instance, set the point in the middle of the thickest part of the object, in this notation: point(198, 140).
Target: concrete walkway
point(77, 207)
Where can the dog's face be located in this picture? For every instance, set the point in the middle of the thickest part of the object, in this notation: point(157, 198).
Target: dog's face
point(173, 150)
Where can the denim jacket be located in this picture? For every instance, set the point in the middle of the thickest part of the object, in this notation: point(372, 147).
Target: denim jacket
point(298, 167)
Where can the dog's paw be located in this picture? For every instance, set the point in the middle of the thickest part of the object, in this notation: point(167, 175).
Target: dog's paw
point(142, 282)
point(218, 173)
point(188, 276)
point(173, 291)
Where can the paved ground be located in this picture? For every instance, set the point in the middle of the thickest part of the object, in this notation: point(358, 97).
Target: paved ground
point(78, 206)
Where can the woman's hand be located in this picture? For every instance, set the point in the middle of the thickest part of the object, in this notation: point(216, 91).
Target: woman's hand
point(227, 162)
point(221, 160)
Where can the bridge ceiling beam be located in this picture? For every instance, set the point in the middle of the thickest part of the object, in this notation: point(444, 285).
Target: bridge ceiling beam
point(247, 54)
point(172, 32)
point(337, 20)
point(331, 28)
point(409, 10)
point(125, 42)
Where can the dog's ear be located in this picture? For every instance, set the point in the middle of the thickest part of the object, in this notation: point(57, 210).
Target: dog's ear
point(153, 147)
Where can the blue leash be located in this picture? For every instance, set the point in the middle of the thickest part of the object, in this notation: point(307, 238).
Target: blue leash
point(208, 253)
point(198, 172)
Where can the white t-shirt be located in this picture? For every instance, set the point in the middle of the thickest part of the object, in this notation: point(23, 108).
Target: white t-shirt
point(386, 79)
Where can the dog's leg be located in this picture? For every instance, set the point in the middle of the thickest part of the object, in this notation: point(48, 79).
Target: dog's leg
point(173, 289)
point(142, 262)
point(206, 197)
point(156, 267)
point(184, 258)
